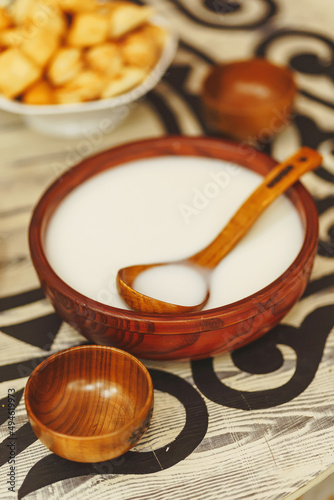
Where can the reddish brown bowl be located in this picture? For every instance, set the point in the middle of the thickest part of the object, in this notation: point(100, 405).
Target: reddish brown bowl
point(249, 100)
point(184, 336)
point(89, 403)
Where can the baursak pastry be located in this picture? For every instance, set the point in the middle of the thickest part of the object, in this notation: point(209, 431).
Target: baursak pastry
point(80, 51)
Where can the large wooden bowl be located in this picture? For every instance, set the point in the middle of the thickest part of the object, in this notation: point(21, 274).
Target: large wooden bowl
point(184, 336)
point(89, 403)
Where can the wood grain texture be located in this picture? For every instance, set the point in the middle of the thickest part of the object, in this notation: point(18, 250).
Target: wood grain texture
point(174, 336)
point(248, 99)
point(268, 453)
point(89, 403)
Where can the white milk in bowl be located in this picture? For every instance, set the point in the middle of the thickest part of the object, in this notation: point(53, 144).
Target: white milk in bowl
point(165, 209)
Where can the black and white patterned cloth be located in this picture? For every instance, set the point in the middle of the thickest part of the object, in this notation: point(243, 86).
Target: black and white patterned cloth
point(256, 423)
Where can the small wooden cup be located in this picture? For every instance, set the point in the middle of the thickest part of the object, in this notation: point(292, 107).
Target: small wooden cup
point(89, 403)
point(249, 100)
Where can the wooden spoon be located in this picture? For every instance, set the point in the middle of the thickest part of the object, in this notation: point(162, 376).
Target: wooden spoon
point(278, 180)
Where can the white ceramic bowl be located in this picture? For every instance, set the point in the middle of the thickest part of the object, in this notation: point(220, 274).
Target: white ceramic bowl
point(74, 120)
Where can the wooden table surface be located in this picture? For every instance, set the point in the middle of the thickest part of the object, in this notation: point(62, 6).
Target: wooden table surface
point(255, 424)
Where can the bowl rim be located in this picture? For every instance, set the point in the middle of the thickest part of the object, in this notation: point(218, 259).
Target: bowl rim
point(224, 106)
point(166, 58)
point(142, 414)
point(125, 153)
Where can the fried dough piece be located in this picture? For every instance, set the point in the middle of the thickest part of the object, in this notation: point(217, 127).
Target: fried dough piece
point(126, 17)
point(39, 93)
point(87, 29)
point(155, 33)
point(57, 24)
point(65, 65)
point(129, 78)
point(11, 37)
point(67, 96)
point(40, 47)
point(86, 86)
point(17, 72)
point(139, 49)
point(73, 6)
point(38, 43)
point(19, 10)
point(32, 15)
point(106, 58)
point(5, 19)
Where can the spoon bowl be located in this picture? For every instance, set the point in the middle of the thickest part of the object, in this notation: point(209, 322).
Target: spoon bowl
point(127, 276)
point(280, 178)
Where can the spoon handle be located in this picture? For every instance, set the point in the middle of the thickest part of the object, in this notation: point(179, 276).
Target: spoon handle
point(278, 180)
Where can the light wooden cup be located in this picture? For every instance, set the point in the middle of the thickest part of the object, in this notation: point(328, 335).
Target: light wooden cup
point(89, 403)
